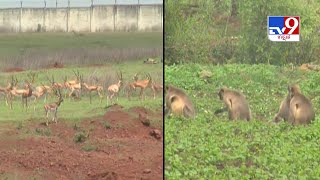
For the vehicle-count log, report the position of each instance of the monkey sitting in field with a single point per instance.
(296, 108)
(283, 112)
(178, 103)
(235, 103)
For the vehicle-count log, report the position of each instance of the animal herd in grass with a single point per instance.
(295, 108)
(73, 89)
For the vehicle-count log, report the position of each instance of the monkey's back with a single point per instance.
(241, 106)
(304, 109)
(181, 104)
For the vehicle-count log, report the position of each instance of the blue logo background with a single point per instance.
(276, 22)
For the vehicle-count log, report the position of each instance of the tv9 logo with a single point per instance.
(284, 28)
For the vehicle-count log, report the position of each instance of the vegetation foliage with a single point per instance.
(211, 146)
(41, 50)
(204, 31)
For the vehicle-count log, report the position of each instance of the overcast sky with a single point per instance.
(73, 3)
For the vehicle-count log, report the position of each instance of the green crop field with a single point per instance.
(212, 147)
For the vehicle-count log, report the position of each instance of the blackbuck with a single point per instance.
(76, 87)
(94, 88)
(156, 88)
(6, 90)
(40, 91)
(142, 84)
(113, 90)
(53, 107)
(24, 93)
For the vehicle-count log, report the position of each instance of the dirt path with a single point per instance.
(115, 146)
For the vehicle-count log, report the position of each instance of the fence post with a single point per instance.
(114, 15)
(138, 13)
(20, 18)
(91, 12)
(68, 14)
(44, 16)
(56, 4)
(162, 17)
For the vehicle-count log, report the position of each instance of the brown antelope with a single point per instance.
(98, 89)
(143, 84)
(55, 84)
(156, 88)
(76, 87)
(72, 83)
(115, 88)
(24, 93)
(40, 91)
(131, 85)
(31, 75)
(6, 90)
(53, 107)
(9, 88)
(76, 81)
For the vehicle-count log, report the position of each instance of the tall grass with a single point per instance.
(38, 50)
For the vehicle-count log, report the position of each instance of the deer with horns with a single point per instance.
(92, 88)
(142, 84)
(53, 107)
(24, 93)
(113, 90)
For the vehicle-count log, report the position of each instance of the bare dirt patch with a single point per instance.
(14, 69)
(58, 65)
(117, 146)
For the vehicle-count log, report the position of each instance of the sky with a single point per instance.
(73, 3)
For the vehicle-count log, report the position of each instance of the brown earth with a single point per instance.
(15, 69)
(117, 146)
(58, 65)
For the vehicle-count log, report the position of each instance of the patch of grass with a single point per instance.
(34, 50)
(43, 131)
(19, 126)
(106, 125)
(80, 137)
(89, 147)
(212, 147)
(76, 127)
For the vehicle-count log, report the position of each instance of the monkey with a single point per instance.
(284, 109)
(235, 103)
(178, 103)
(301, 110)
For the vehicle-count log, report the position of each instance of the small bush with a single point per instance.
(43, 132)
(19, 126)
(89, 147)
(80, 137)
(106, 125)
(76, 127)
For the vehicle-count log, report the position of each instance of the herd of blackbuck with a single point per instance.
(72, 89)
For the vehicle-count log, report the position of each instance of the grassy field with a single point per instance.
(212, 147)
(99, 55)
(38, 50)
(77, 110)
(94, 140)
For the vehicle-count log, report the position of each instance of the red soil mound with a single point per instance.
(118, 146)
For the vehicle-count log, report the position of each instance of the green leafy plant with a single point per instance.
(212, 147)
